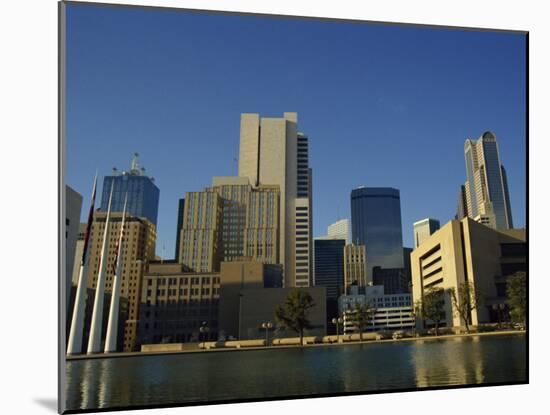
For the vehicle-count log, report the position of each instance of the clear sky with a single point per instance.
(383, 105)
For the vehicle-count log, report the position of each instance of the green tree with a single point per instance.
(432, 306)
(465, 299)
(292, 313)
(516, 296)
(362, 314)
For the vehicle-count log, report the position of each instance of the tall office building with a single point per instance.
(376, 223)
(228, 221)
(138, 249)
(423, 229)
(484, 197)
(73, 205)
(143, 194)
(329, 272)
(273, 152)
(338, 230)
(355, 267)
(179, 226)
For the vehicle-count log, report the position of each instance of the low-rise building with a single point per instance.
(390, 311)
(469, 251)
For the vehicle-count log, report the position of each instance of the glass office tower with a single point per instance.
(376, 223)
(143, 194)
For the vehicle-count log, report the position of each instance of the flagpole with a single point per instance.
(112, 326)
(94, 341)
(74, 345)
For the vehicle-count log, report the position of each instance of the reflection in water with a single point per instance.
(151, 380)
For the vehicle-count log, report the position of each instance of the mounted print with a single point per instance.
(259, 207)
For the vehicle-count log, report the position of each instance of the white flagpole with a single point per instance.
(74, 345)
(94, 341)
(112, 326)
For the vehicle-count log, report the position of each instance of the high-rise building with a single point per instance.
(466, 251)
(228, 221)
(273, 152)
(181, 207)
(376, 223)
(423, 229)
(329, 272)
(138, 249)
(143, 194)
(73, 205)
(485, 197)
(355, 267)
(338, 230)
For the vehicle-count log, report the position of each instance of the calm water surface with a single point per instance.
(157, 380)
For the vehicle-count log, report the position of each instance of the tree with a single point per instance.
(432, 306)
(516, 296)
(362, 314)
(465, 300)
(292, 313)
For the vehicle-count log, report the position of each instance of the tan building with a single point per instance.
(239, 275)
(273, 152)
(176, 303)
(355, 266)
(138, 249)
(468, 251)
(228, 221)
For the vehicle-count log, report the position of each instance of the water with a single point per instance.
(196, 377)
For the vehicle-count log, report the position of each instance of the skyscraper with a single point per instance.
(376, 223)
(228, 221)
(423, 229)
(329, 266)
(181, 207)
(273, 152)
(355, 267)
(143, 194)
(485, 197)
(338, 230)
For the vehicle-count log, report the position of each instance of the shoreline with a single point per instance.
(119, 355)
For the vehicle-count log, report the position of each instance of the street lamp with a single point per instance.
(204, 329)
(268, 325)
(337, 321)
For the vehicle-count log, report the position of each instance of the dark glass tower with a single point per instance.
(329, 273)
(376, 223)
(143, 194)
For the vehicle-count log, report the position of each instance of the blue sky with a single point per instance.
(383, 105)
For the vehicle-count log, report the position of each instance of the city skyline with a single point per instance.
(360, 137)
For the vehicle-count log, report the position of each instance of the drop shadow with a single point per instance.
(48, 403)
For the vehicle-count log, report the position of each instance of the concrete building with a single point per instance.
(235, 277)
(143, 194)
(376, 223)
(258, 306)
(273, 152)
(338, 230)
(392, 311)
(73, 206)
(329, 273)
(175, 303)
(468, 251)
(227, 221)
(423, 229)
(138, 249)
(355, 266)
(485, 197)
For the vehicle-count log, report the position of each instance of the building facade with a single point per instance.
(423, 229)
(390, 311)
(355, 267)
(467, 251)
(228, 221)
(143, 194)
(376, 223)
(138, 249)
(176, 303)
(329, 272)
(485, 197)
(273, 152)
(179, 227)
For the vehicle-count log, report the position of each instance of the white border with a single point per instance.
(28, 104)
